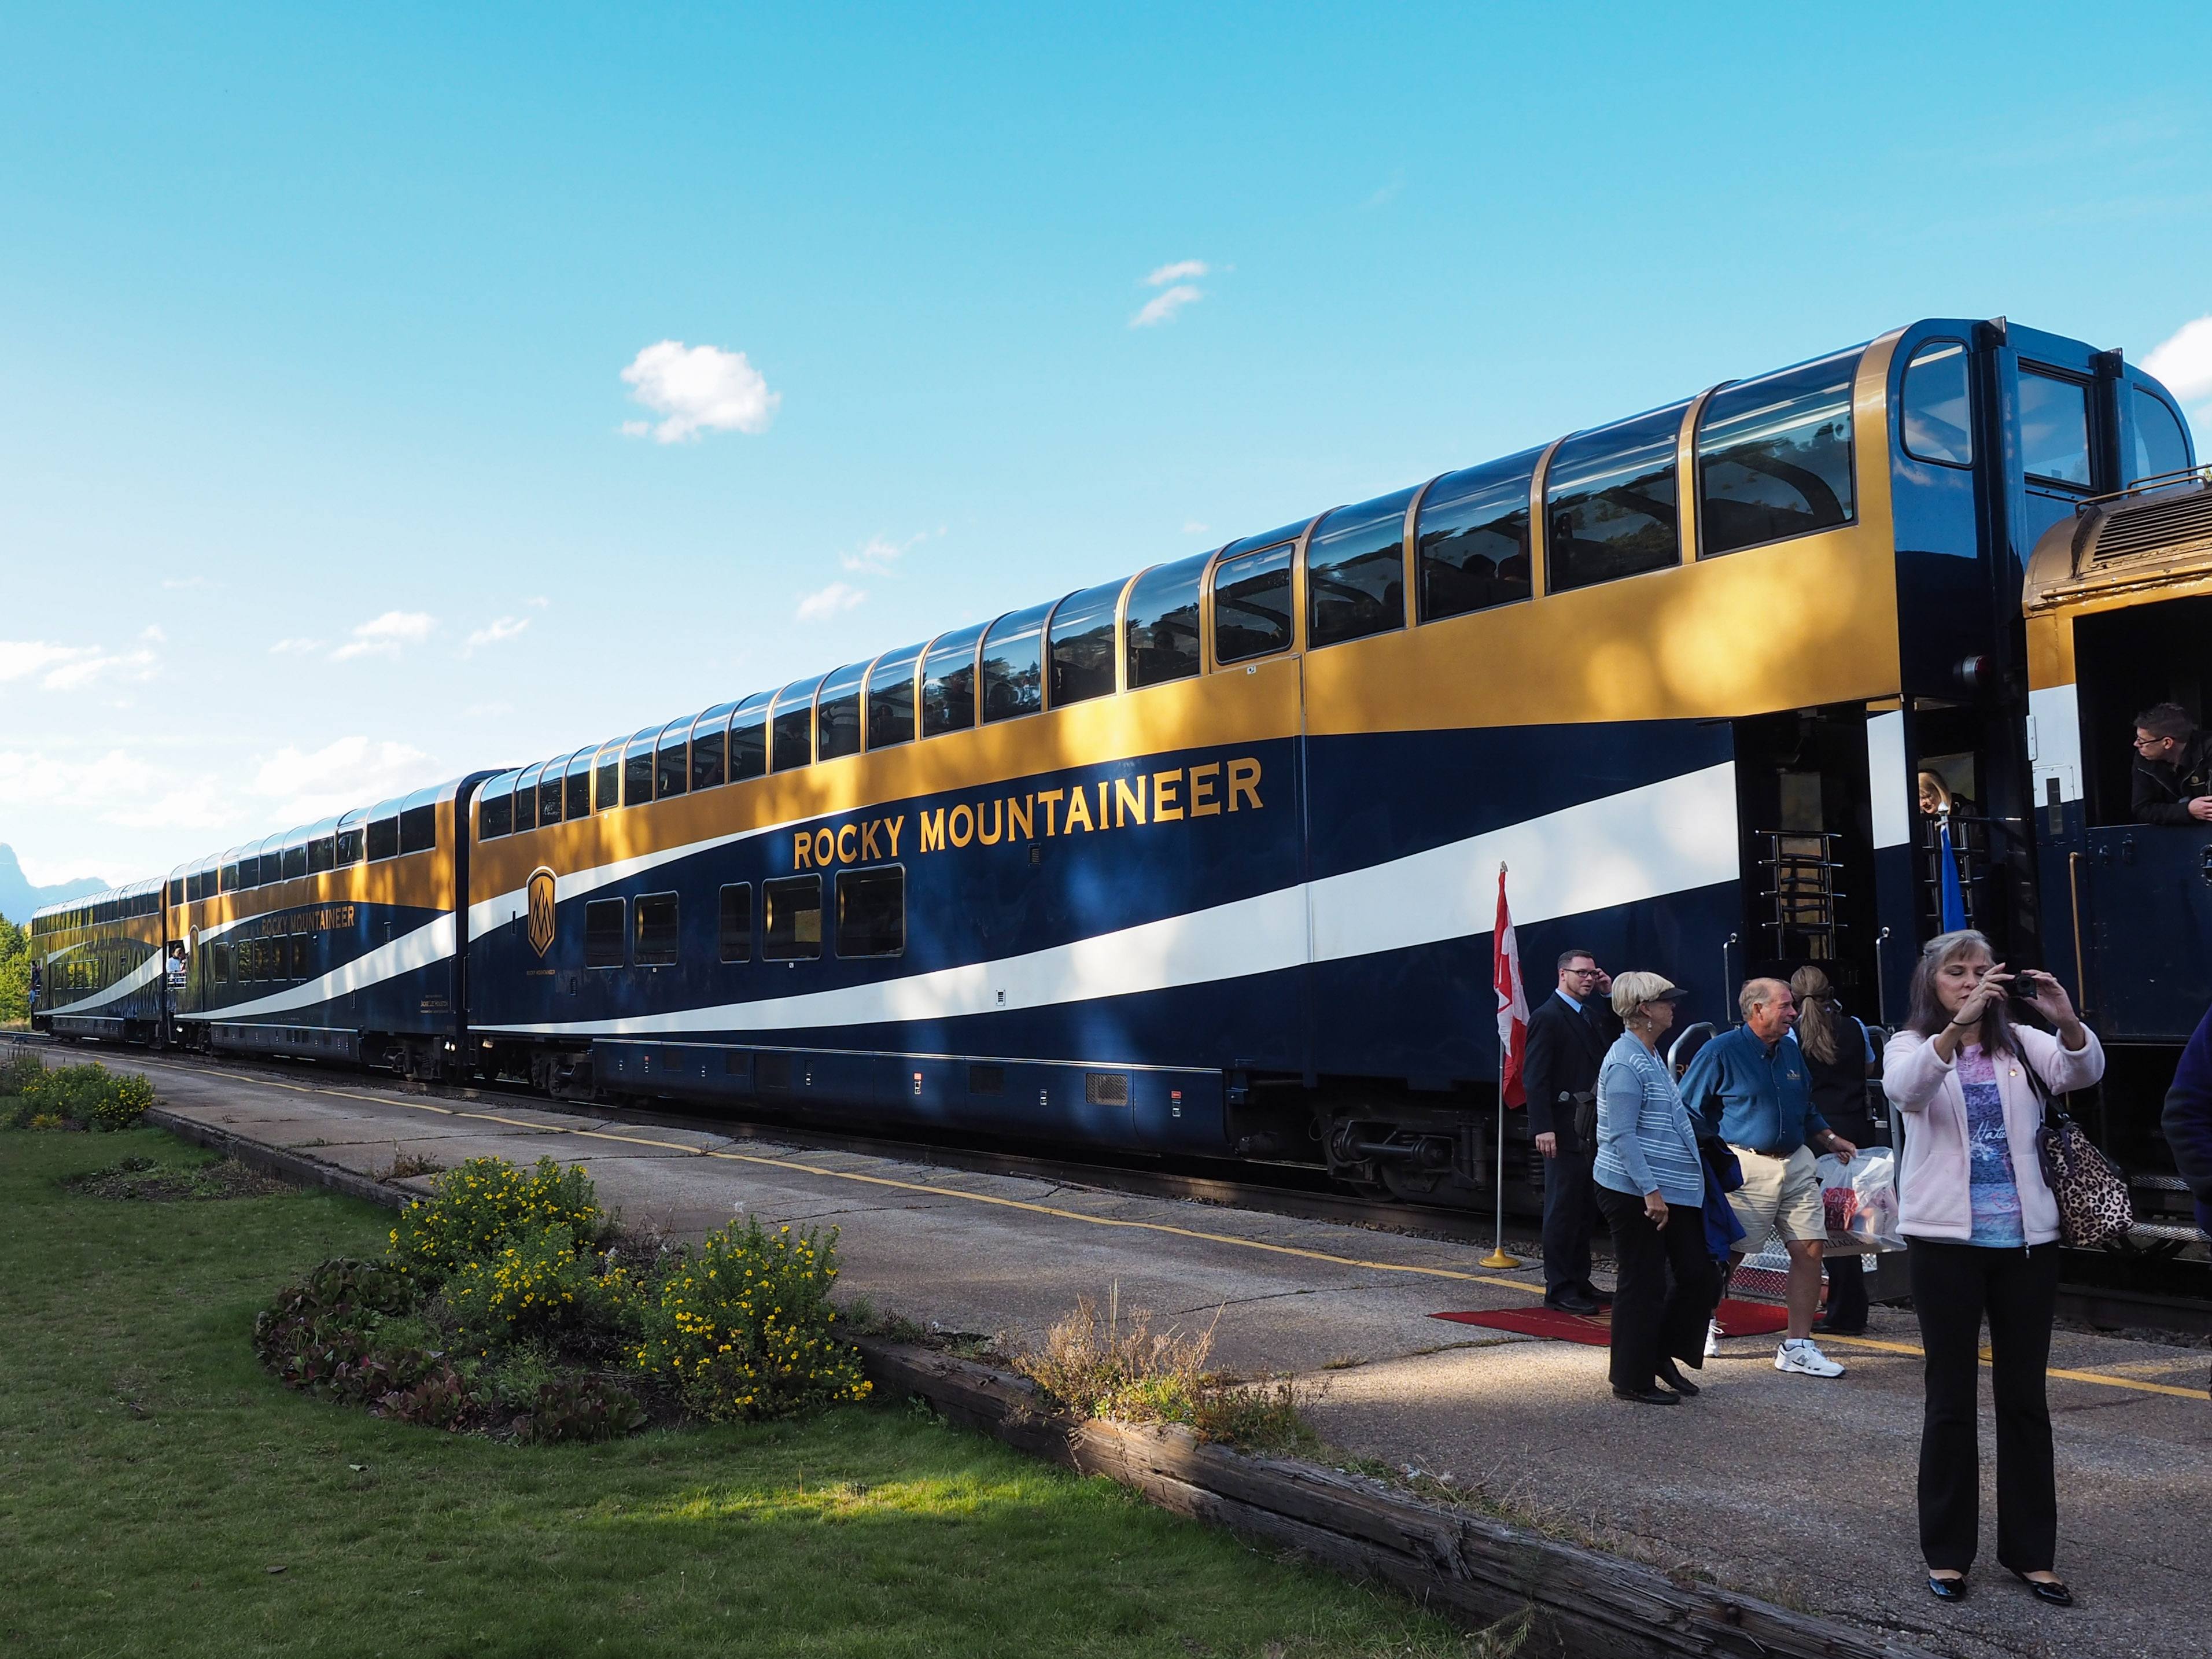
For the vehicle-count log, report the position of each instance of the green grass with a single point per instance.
(152, 1478)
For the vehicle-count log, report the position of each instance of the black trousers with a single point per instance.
(1667, 1289)
(1847, 1296)
(1569, 1215)
(1953, 1286)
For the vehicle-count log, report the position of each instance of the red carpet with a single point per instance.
(1737, 1319)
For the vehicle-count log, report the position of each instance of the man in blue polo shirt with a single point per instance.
(1751, 1088)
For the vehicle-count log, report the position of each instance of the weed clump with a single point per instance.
(87, 1097)
(1095, 1367)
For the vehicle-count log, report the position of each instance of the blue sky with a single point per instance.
(315, 322)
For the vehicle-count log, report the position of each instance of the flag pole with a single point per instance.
(1498, 1257)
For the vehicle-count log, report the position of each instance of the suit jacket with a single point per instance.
(1564, 1051)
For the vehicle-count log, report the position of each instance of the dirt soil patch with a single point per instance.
(144, 1178)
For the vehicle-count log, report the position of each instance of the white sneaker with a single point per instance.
(1798, 1354)
(1712, 1339)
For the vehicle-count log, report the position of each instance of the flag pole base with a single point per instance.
(1500, 1258)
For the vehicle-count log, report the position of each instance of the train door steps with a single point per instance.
(1465, 1565)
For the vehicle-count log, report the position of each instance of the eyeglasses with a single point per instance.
(2149, 743)
(1584, 972)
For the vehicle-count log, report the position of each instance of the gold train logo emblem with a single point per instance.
(541, 910)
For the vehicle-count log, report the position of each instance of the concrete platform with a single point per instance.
(1786, 1488)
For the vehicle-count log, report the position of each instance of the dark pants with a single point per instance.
(1847, 1296)
(1568, 1216)
(1653, 1320)
(1953, 1286)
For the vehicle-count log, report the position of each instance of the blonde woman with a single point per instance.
(1651, 1191)
(1981, 1227)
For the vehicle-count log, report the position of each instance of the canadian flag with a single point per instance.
(1512, 1004)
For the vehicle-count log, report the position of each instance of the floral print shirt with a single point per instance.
(1989, 1151)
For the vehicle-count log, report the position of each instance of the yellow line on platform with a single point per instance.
(1902, 1348)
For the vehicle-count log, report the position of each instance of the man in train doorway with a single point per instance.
(1752, 1088)
(2174, 768)
(1568, 1036)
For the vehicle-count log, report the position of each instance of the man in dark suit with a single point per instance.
(1568, 1034)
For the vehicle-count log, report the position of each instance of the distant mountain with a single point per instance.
(18, 898)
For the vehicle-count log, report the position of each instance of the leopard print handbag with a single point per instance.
(2094, 1209)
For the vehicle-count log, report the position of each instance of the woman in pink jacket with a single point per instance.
(1982, 1230)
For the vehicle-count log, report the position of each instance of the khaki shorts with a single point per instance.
(1780, 1195)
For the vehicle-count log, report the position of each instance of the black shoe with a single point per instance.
(2046, 1589)
(1948, 1589)
(1572, 1303)
(1822, 1328)
(1671, 1377)
(1647, 1396)
(1604, 1298)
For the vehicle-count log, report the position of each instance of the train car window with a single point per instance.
(607, 789)
(837, 712)
(791, 918)
(748, 739)
(2054, 429)
(1937, 414)
(1080, 643)
(1252, 605)
(384, 838)
(1609, 502)
(657, 930)
(295, 861)
(891, 698)
(218, 956)
(948, 683)
(1472, 537)
(1014, 665)
(637, 768)
(195, 888)
(672, 765)
(353, 839)
(602, 934)
(230, 878)
(791, 726)
(577, 787)
(734, 931)
(2161, 447)
(1356, 571)
(418, 828)
(495, 808)
(525, 805)
(1161, 638)
(549, 791)
(177, 890)
(1774, 456)
(322, 854)
(710, 745)
(299, 956)
(871, 912)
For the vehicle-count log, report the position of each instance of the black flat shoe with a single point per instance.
(1948, 1589)
(1647, 1396)
(1671, 1377)
(2046, 1589)
(1572, 1304)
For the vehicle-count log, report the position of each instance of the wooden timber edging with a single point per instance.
(1469, 1567)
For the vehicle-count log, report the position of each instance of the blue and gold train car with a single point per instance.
(1206, 858)
(99, 965)
(335, 940)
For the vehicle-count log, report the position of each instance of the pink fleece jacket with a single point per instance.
(1934, 1180)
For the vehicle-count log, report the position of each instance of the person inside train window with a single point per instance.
(2174, 768)
(1934, 795)
(176, 969)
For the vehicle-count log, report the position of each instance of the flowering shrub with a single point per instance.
(477, 1211)
(742, 1328)
(535, 1285)
(89, 1095)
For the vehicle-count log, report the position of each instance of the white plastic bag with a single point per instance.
(1861, 1199)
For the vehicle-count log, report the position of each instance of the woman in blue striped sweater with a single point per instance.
(1651, 1189)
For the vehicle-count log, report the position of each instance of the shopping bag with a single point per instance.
(1861, 1200)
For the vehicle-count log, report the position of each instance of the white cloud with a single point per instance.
(1192, 527)
(1180, 270)
(117, 787)
(70, 668)
(698, 389)
(537, 602)
(501, 628)
(484, 711)
(349, 772)
(385, 634)
(175, 584)
(1386, 193)
(879, 553)
(825, 603)
(2185, 361)
(1162, 308)
(20, 659)
(294, 648)
(153, 631)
